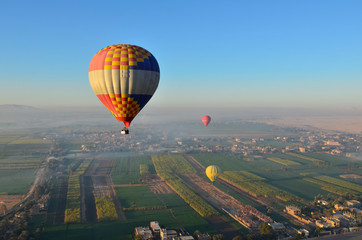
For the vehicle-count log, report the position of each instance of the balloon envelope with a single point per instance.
(206, 120)
(124, 78)
(212, 172)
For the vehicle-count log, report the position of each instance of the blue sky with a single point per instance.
(211, 53)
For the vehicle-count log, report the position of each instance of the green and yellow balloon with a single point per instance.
(212, 172)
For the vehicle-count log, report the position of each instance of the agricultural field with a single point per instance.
(16, 181)
(144, 169)
(331, 187)
(337, 186)
(20, 163)
(286, 178)
(282, 176)
(72, 211)
(124, 229)
(256, 186)
(334, 160)
(27, 149)
(352, 177)
(127, 169)
(284, 161)
(137, 197)
(172, 211)
(168, 167)
(185, 215)
(341, 183)
(106, 210)
(103, 230)
(236, 162)
(21, 153)
(317, 162)
(299, 187)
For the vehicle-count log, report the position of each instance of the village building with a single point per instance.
(293, 210)
(277, 226)
(338, 207)
(145, 232)
(155, 227)
(303, 232)
(353, 203)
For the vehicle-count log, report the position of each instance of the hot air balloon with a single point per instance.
(124, 77)
(212, 172)
(206, 120)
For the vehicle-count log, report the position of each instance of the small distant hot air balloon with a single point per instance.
(206, 120)
(124, 77)
(212, 172)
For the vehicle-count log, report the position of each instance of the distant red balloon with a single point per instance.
(206, 120)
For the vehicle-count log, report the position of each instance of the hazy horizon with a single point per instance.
(253, 54)
(343, 119)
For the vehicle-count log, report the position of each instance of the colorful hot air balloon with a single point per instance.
(206, 120)
(124, 77)
(212, 172)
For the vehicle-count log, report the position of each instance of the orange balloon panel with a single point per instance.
(124, 78)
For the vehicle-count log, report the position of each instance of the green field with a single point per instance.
(178, 214)
(184, 214)
(297, 186)
(106, 210)
(337, 186)
(19, 163)
(283, 161)
(72, 211)
(138, 196)
(98, 231)
(168, 167)
(127, 169)
(110, 230)
(16, 181)
(341, 183)
(21, 153)
(23, 149)
(256, 186)
(287, 178)
(234, 162)
(296, 177)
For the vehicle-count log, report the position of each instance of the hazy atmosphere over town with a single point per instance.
(181, 120)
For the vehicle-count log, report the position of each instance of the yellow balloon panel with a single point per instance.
(212, 172)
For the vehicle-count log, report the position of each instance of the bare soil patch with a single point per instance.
(10, 200)
(100, 167)
(61, 201)
(156, 184)
(223, 200)
(88, 206)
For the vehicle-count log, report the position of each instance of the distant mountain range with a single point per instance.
(16, 108)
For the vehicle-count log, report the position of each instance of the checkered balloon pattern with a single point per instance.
(124, 78)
